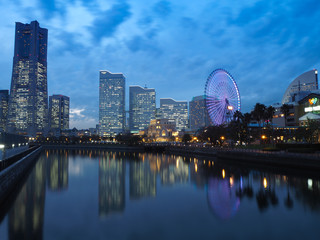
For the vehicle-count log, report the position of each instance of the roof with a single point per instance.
(307, 81)
(310, 116)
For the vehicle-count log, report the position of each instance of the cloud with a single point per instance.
(82, 118)
(74, 113)
(162, 8)
(171, 46)
(108, 21)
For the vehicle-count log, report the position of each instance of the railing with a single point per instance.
(11, 160)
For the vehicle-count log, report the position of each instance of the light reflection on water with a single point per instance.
(116, 195)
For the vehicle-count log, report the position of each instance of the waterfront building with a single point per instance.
(301, 86)
(198, 114)
(142, 107)
(162, 130)
(4, 99)
(111, 103)
(177, 110)
(28, 101)
(59, 106)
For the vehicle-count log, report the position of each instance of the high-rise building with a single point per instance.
(198, 114)
(111, 103)
(59, 106)
(28, 101)
(177, 110)
(4, 98)
(142, 107)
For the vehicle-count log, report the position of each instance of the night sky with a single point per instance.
(171, 46)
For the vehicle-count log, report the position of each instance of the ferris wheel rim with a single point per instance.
(221, 91)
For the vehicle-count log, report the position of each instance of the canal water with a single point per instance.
(92, 194)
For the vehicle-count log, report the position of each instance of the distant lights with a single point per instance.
(265, 183)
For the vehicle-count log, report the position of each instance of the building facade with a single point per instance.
(162, 130)
(198, 114)
(111, 103)
(142, 107)
(177, 110)
(28, 101)
(301, 86)
(4, 99)
(59, 110)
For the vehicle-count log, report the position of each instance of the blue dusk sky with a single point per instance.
(171, 46)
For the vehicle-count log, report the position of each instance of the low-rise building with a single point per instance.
(162, 130)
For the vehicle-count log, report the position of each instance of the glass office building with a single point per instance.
(177, 110)
(198, 114)
(59, 106)
(142, 107)
(111, 103)
(28, 102)
(4, 99)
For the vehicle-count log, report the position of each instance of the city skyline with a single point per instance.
(171, 47)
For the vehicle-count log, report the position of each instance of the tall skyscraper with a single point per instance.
(177, 110)
(59, 106)
(4, 98)
(142, 107)
(111, 103)
(198, 115)
(28, 102)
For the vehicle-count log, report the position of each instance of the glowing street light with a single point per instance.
(230, 107)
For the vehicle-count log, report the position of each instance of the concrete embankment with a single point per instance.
(277, 159)
(108, 147)
(256, 157)
(10, 176)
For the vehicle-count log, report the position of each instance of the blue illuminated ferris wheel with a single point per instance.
(222, 97)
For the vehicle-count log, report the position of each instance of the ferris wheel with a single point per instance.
(222, 97)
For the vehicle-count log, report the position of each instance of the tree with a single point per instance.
(186, 138)
(313, 126)
(285, 108)
(258, 112)
(269, 112)
(213, 134)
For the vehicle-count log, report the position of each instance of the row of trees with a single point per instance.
(239, 130)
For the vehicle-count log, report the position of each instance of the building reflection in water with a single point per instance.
(57, 167)
(27, 214)
(111, 184)
(173, 170)
(142, 180)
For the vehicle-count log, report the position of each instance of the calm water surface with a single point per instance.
(111, 195)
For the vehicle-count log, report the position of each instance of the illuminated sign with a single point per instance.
(313, 101)
(312, 109)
